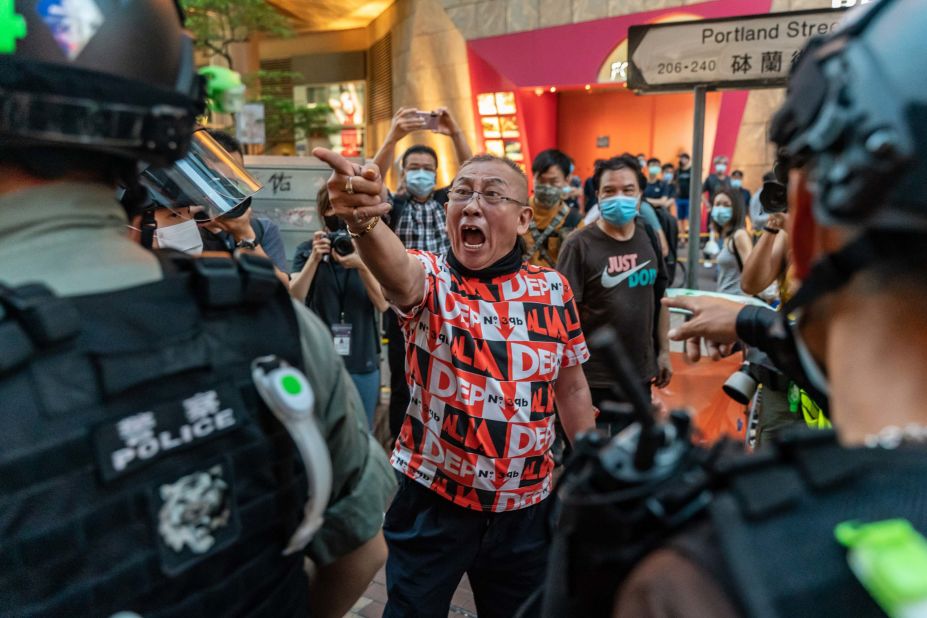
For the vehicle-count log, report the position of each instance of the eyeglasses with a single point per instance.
(463, 195)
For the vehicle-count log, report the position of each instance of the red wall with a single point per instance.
(659, 126)
(540, 123)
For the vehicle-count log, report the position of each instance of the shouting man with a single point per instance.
(492, 343)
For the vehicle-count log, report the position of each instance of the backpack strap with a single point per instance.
(540, 238)
(258, 226)
(659, 289)
(733, 249)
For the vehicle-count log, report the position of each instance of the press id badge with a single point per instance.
(341, 333)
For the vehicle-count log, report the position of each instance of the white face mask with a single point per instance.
(182, 237)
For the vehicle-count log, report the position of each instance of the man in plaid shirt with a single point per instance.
(418, 220)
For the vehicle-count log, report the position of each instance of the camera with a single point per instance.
(774, 196)
(341, 242)
(756, 369)
(430, 118)
(741, 385)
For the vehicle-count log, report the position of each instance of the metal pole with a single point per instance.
(695, 188)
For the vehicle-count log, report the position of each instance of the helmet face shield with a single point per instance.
(207, 176)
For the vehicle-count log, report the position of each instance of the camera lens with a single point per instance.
(341, 242)
(774, 197)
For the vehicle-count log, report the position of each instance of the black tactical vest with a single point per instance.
(760, 525)
(775, 522)
(139, 469)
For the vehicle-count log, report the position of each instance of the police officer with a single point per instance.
(141, 469)
(781, 529)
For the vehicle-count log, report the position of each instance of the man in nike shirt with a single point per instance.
(615, 269)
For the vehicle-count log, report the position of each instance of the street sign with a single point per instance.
(754, 51)
(249, 124)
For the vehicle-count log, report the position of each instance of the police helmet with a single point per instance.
(110, 76)
(855, 118)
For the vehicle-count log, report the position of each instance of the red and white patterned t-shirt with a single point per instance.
(481, 361)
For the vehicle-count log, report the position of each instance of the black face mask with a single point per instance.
(506, 265)
(334, 223)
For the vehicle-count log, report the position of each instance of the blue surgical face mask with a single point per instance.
(736, 183)
(618, 209)
(667, 176)
(720, 167)
(420, 182)
(654, 170)
(722, 214)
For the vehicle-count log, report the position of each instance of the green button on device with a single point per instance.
(291, 385)
(12, 27)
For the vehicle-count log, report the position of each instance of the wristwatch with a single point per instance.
(771, 230)
(247, 243)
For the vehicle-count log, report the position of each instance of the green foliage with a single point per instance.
(286, 121)
(217, 24)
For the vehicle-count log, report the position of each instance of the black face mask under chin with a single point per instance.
(333, 223)
(506, 265)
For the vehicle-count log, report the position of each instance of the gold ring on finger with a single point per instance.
(348, 186)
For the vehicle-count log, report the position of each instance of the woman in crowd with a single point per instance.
(727, 222)
(333, 281)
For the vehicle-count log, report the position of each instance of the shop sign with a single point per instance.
(615, 67)
(738, 52)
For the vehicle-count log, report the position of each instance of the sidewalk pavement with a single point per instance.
(371, 605)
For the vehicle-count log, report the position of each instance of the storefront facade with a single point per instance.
(566, 88)
(560, 63)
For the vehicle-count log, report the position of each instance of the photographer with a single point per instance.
(768, 262)
(334, 282)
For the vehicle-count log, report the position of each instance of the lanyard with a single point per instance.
(341, 287)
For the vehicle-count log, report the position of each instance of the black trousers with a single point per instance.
(398, 387)
(433, 542)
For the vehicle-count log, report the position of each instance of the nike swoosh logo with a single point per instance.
(610, 281)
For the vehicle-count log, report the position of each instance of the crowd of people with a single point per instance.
(187, 418)
(617, 243)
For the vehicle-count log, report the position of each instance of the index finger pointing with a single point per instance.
(334, 161)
